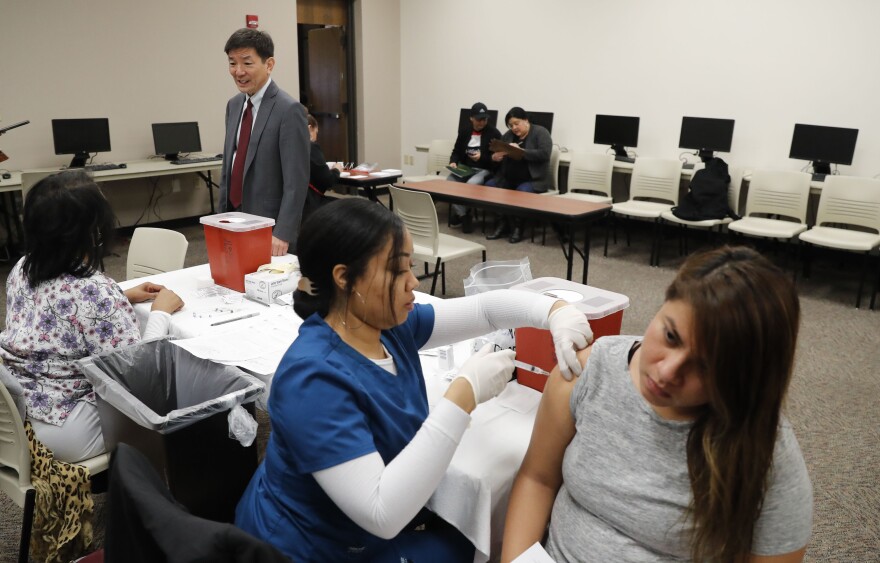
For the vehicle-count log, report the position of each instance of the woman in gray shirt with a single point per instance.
(673, 447)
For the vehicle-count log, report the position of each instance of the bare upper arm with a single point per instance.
(553, 431)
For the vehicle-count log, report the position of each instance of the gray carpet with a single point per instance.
(834, 402)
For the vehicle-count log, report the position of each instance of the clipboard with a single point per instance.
(513, 151)
(13, 126)
(462, 171)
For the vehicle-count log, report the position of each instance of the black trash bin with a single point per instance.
(173, 407)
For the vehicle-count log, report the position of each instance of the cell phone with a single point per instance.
(13, 126)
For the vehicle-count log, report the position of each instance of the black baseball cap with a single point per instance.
(480, 111)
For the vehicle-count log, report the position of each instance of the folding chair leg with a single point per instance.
(658, 240)
(808, 263)
(436, 272)
(443, 279)
(876, 285)
(865, 260)
(27, 521)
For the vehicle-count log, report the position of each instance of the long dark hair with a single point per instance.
(68, 227)
(746, 317)
(350, 232)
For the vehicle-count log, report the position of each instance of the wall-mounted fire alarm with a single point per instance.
(252, 22)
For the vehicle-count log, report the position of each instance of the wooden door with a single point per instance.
(327, 88)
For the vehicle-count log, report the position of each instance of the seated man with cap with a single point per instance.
(472, 150)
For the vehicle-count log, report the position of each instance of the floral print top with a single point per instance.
(55, 323)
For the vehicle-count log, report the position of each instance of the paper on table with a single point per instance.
(534, 554)
(519, 398)
(255, 344)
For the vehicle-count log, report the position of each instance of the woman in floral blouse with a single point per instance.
(61, 307)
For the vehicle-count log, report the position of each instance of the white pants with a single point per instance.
(77, 439)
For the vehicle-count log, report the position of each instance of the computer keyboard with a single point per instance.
(819, 177)
(196, 160)
(624, 159)
(101, 167)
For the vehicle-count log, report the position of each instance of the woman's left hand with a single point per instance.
(144, 292)
(571, 332)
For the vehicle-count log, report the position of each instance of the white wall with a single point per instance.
(767, 64)
(136, 63)
(377, 38)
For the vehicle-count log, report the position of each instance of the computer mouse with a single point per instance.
(123, 165)
(7, 175)
(219, 155)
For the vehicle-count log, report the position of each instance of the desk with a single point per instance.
(474, 492)
(147, 168)
(371, 182)
(150, 168)
(534, 206)
(565, 161)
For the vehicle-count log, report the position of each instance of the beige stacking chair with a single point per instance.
(417, 211)
(154, 251)
(847, 202)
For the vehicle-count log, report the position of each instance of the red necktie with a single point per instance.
(244, 137)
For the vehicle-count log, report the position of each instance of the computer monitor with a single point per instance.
(706, 135)
(619, 131)
(542, 118)
(81, 137)
(465, 114)
(823, 145)
(171, 139)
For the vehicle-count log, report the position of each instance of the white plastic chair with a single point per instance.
(417, 211)
(653, 189)
(15, 464)
(848, 201)
(154, 251)
(589, 177)
(733, 191)
(555, 154)
(775, 193)
(438, 158)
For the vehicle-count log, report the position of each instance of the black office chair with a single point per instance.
(146, 525)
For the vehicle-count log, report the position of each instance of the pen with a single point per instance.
(530, 367)
(223, 322)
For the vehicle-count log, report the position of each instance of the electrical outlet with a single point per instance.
(408, 159)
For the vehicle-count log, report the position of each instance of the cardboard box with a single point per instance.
(265, 287)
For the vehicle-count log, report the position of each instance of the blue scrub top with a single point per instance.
(329, 404)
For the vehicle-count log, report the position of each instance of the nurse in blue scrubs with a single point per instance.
(354, 453)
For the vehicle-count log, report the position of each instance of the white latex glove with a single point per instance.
(488, 372)
(571, 332)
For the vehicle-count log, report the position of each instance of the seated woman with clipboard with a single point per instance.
(524, 153)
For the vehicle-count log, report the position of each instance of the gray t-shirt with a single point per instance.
(626, 490)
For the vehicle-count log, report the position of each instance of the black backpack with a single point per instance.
(707, 197)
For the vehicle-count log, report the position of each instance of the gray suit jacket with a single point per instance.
(276, 172)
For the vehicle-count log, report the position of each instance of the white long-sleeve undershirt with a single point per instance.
(381, 498)
(158, 324)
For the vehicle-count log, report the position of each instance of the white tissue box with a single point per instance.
(265, 287)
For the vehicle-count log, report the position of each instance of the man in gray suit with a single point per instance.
(271, 176)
